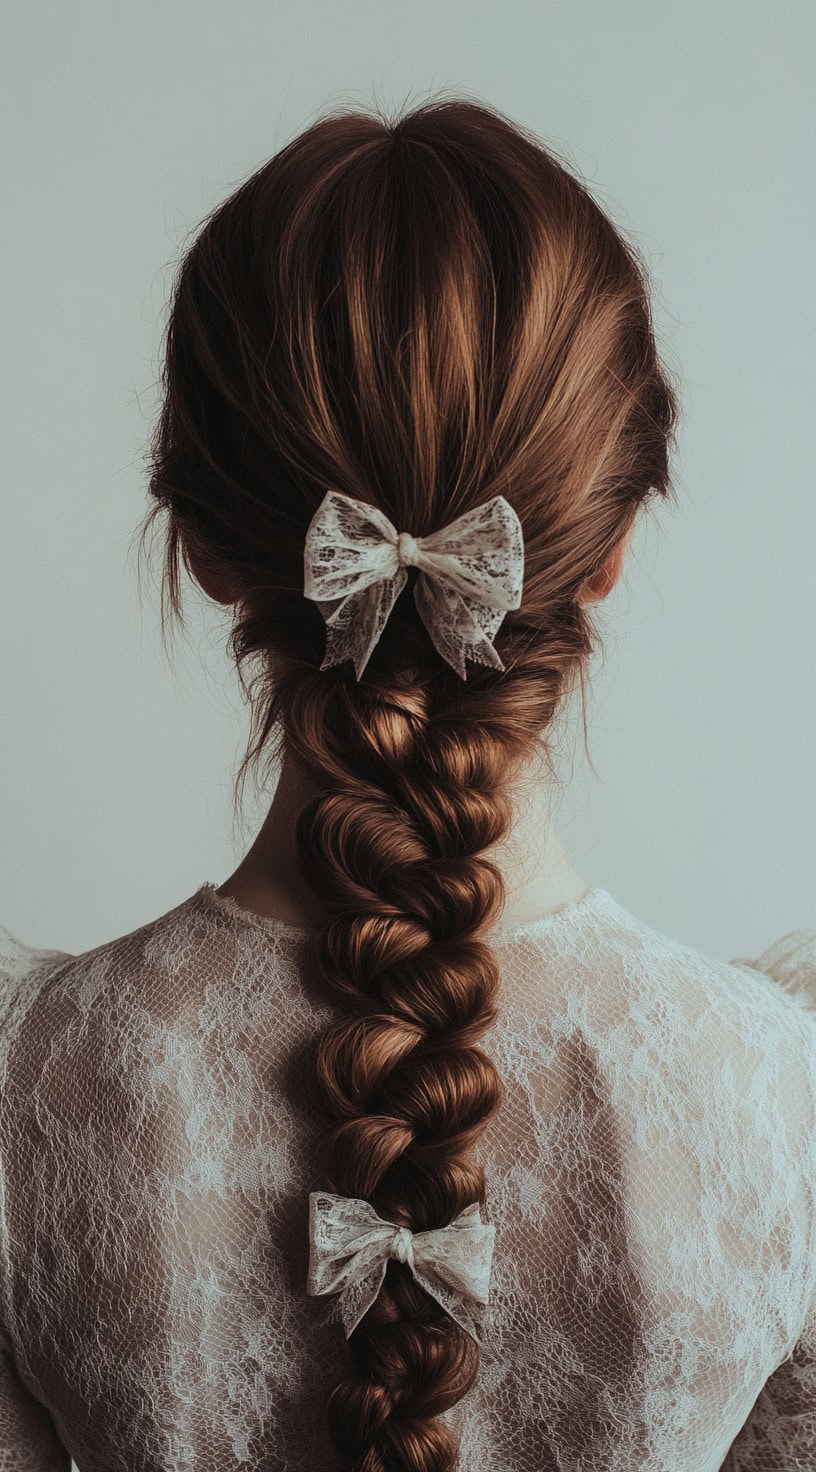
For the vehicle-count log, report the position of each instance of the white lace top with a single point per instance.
(651, 1177)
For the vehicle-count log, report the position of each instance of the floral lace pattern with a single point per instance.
(350, 1246)
(470, 574)
(651, 1176)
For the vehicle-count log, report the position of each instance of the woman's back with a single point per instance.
(412, 407)
(652, 1181)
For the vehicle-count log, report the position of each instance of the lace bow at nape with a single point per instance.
(470, 575)
(350, 1245)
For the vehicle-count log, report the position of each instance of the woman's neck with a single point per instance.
(538, 873)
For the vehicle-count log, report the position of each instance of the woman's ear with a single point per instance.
(603, 581)
(214, 582)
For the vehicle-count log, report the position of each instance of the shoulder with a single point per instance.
(736, 1037)
(779, 984)
(154, 975)
(79, 1032)
(741, 1034)
(51, 986)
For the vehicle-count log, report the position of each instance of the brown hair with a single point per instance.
(421, 312)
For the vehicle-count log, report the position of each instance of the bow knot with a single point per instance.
(470, 575)
(407, 548)
(402, 1245)
(350, 1246)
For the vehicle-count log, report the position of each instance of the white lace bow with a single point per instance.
(471, 573)
(349, 1248)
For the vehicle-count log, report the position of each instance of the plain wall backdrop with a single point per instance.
(693, 125)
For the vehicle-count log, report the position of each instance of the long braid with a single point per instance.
(421, 313)
(393, 845)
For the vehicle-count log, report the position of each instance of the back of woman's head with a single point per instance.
(421, 313)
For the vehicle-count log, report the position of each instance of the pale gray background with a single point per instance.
(693, 124)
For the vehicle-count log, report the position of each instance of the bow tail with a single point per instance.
(467, 1313)
(358, 1296)
(460, 628)
(356, 622)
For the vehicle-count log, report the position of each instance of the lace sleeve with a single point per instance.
(780, 1432)
(791, 962)
(19, 960)
(28, 1438)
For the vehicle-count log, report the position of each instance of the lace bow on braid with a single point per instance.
(471, 573)
(349, 1248)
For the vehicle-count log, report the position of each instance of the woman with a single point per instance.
(404, 1148)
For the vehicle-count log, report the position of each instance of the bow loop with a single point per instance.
(350, 1246)
(470, 576)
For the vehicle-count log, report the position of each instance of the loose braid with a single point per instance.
(393, 845)
(421, 313)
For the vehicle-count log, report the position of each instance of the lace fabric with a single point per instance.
(651, 1179)
(470, 575)
(350, 1246)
